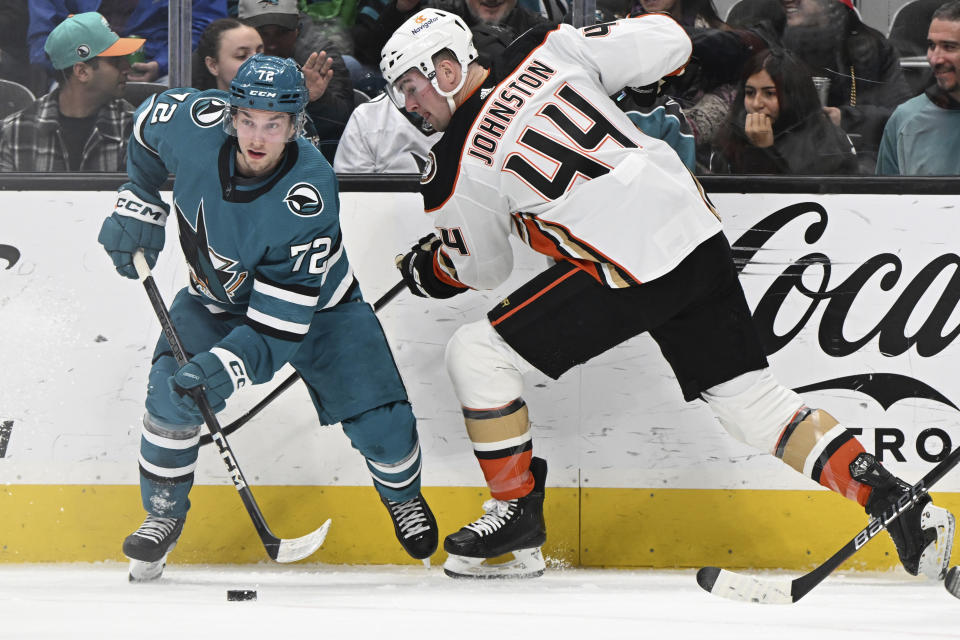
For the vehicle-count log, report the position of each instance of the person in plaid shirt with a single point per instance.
(84, 124)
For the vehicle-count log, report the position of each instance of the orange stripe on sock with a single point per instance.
(509, 477)
(836, 473)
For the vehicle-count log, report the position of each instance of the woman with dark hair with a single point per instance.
(224, 45)
(777, 124)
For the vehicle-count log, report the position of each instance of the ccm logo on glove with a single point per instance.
(128, 204)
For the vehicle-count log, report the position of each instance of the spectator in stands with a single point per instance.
(334, 18)
(706, 90)
(778, 125)
(691, 14)
(224, 45)
(84, 124)
(767, 17)
(14, 55)
(288, 33)
(923, 134)
(908, 35)
(146, 20)
(380, 138)
(863, 69)
(659, 116)
(502, 20)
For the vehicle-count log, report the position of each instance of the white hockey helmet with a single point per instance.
(414, 44)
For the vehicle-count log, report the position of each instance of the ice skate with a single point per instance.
(415, 526)
(508, 527)
(923, 534)
(148, 546)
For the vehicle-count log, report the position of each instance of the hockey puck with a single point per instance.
(952, 581)
(235, 595)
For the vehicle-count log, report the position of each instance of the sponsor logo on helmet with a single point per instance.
(206, 112)
(424, 25)
(430, 170)
(263, 94)
(83, 51)
(303, 199)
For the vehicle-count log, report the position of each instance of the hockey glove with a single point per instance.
(134, 224)
(209, 369)
(417, 270)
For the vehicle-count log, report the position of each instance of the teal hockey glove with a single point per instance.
(220, 374)
(134, 224)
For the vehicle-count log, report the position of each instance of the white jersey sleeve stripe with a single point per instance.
(273, 322)
(141, 123)
(285, 294)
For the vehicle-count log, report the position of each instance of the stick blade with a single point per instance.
(295, 549)
(952, 581)
(735, 586)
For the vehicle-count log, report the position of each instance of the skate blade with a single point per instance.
(142, 571)
(936, 557)
(526, 563)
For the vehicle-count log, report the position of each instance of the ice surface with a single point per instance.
(75, 601)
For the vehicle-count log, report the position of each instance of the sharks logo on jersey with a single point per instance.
(304, 199)
(207, 112)
(212, 273)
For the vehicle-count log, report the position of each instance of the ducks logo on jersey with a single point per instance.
(430, 170)
(303, 199)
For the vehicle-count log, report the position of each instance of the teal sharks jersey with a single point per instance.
(269, 248)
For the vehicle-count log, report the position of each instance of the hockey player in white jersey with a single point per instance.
(535, 148)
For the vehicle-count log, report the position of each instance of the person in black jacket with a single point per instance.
(494, 23)
(777, 125)
(865, 80)
(289, 33)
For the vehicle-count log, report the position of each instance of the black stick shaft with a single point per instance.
(270, 541)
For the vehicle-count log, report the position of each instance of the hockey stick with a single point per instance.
(281, 550)
(735, 586)
(286, 384)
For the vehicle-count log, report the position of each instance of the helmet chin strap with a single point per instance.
(449, 95)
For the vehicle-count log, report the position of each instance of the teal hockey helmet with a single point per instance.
(269, 83)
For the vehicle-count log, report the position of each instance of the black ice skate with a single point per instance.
(148, 546)
(415, 526)
(508, 526)
(923, 534)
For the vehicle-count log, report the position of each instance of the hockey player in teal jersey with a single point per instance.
(258, 213)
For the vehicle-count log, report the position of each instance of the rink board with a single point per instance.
(870, 337)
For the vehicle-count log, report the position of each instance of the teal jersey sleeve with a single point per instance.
(666, 121)
(161, 119)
